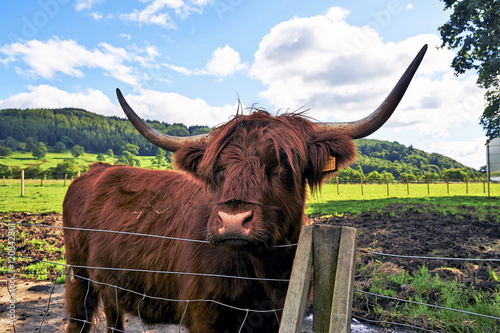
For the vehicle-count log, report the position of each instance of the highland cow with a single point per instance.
(239, 190)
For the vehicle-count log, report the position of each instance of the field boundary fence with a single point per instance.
(455, 186)
(325, 247)
(409, 183)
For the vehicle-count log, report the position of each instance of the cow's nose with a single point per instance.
(238, 223)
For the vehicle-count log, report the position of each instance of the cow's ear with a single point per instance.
(189, 156)
(321, 147)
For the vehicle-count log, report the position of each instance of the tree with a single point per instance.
(30, 143)
(59, 147)
(11, 143)
(134, 149)
(374, 177)
(101, 157)
(128, 159)
(110, 153)
(5, 171)
(5, 151)
(39, 151)
(77, 151)
(159, 159)
(474, 29)
(68, 167)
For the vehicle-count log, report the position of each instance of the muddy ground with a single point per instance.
(414, 230)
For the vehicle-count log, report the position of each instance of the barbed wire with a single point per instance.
(425, 258)
(125, 233)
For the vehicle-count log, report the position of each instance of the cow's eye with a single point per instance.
(272, 172)
(219, 178)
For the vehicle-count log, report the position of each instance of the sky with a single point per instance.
(191, 61)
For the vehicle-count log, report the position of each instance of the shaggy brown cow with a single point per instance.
(241, 192)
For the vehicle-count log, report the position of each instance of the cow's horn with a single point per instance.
(366, 126)
(167, 142)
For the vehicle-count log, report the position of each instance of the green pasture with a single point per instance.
(25, 159)
(354, 199)
(349, 200)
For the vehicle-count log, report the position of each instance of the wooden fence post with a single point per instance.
(428, 190)
(298, 288)
(484, 185)
(326, 247)
(407, 186)
(361, 179)
(4, 184)
(65, 178)
(387, 181)
(338, 189)
(333, 251)
(340, 318)
(22, 183)
(466, 186)
(78, 175)
(447, 186)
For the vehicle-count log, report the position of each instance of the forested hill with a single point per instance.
(395, 159)
(94, 132)
(98, 133)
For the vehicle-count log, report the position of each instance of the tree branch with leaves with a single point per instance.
(474, 31)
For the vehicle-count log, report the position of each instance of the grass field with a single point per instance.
(347, 199)
(25, 159)
(49, 197)
(350, 200)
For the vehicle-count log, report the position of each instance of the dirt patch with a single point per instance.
(415, 230)
(423, 231)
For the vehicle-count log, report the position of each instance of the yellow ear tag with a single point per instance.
(330, 164)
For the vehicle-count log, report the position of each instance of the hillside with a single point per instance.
(94, 132)
(97, 134)
(397, 159)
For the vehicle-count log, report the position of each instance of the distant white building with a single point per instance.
(493, 160)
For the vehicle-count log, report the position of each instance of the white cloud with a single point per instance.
(225, 61)
(409, 6)
(343, 72)
(159, 12)
(48, 59)
(471, 152)
(163, 106)
(45, 96)
(172, 107)
(125, 36)
(85, 4)
(96, 16)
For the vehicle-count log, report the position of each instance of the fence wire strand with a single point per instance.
(425, 304)
(425, 258)
(144, 296)
(392, 323)
(152, 271)
(126, 233)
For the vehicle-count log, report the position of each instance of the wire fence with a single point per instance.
(245, 311)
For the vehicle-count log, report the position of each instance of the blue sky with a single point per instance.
(190, 61)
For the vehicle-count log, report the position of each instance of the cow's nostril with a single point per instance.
(238, 223)
(248, 221)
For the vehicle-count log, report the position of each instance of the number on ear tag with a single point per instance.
(330, 164)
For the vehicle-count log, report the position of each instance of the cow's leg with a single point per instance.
(114, 317)
(81, 303)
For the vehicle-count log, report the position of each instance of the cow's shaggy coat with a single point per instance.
(255, 164)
